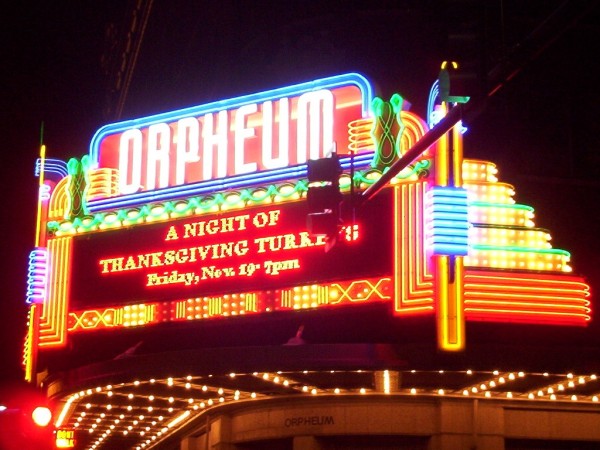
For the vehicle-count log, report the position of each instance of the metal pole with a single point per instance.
(414, 152)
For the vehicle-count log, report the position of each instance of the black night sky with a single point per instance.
(67, 64)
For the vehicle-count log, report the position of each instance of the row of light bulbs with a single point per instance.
(144, 430)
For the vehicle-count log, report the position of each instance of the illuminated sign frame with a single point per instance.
(504, 267)
(174, 139)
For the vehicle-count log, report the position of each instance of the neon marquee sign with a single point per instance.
(178, 216)
(271, 130)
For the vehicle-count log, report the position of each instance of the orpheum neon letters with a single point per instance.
(235, 137)
(202, 144)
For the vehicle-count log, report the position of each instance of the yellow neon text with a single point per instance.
(288, 242)
(170, 257)
(223, 225)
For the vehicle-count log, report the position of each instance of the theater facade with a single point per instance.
(226, 276)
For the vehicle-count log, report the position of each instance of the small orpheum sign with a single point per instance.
(65, 438)
(270, 130)
(259, 248)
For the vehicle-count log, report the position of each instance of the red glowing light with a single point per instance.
(41, 416)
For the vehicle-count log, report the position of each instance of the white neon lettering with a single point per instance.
(284, 132)
(130, 150)
(241, 134)
(268, 160)
(321, 115)
(159, 140)
(216, 138)
(267, 134)
(188, 132)
(315, 109)
(252, 137)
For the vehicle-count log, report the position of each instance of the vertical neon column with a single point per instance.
(37, 284)
(448, 264)
(31, 344)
